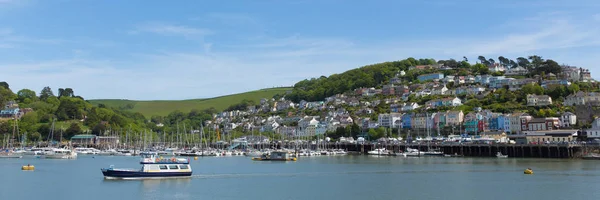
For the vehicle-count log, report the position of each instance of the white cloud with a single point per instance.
(596, 17)
(171, 30)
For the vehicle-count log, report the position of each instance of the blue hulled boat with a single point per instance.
(153, 166)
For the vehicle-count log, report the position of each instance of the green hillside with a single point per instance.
(163, 108)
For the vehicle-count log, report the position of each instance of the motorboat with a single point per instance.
(410, 152)
(10, 154)
(60, 153)
(433, 152)
(380, 151)
(500, 155)
(591, 156)
(153, 166)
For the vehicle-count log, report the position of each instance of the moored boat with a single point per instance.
(500, 155)
(591, 156)
(152, 167)
(60, 153)
(276, 156)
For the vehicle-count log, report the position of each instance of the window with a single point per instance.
(162, 167)
(173, 167)
(183, 167)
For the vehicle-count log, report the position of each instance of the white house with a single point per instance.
(440, 90)
(594, 132)
(410, 106)
(568, 119)
(389, 120)
(538, 100)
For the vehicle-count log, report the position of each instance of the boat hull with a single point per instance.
(124, 174)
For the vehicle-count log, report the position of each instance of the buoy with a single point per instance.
(196, 158)
(28, 167)
(528, 171)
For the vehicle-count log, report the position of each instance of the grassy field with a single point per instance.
(163, 108)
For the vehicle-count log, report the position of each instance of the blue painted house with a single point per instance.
(406, 121)
(429, 77)
(10, 112)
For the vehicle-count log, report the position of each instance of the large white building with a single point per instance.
(582, 98)
(594, 132)
(568, 119)
(390, 120)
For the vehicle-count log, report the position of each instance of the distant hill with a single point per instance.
(164, 107)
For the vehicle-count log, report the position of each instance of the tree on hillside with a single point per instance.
(504, 61)
(548, 66)
(536, 61)
(25, 95)
(4, 85)
(532, 89)
(523, 62)
(482, 59)
(513, 64)
(6, 95)
(46, 93)
(74, 129)
(67, 92)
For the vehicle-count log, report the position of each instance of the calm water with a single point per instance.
(338, 177)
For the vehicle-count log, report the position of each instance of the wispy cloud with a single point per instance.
(10, 39)
(171, 30)
(554, 31)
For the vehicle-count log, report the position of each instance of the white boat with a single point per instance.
(10, 154)
(380, 151)
(153, 167)
(412, 153)
(110, 152)
(499, 155)
(86, 151)
(433, 152)
(61, 154)
(254, 153)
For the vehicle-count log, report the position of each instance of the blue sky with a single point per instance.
(140, 49)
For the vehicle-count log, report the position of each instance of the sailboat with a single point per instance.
(8, 152)
(432, 152)
(59, 153)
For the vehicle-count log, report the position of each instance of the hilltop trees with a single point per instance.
(46, 93)
(367, 76)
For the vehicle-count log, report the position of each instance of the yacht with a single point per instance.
(433, 152)
(412, 153)
(9, 154)
(499, 155)
(380, 151)
(110, 152)
(61, 154)
(153, 167)
(86, 151)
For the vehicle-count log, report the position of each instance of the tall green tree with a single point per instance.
(46, 93)
(25, 95)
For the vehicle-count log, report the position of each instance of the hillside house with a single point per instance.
(594, 132)
(430, 77)
(567, 120)
(582, 98)
(517, 71)
(538, 100)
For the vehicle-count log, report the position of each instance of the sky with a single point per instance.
(186, 49)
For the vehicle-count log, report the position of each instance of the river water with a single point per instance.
(335, 177)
